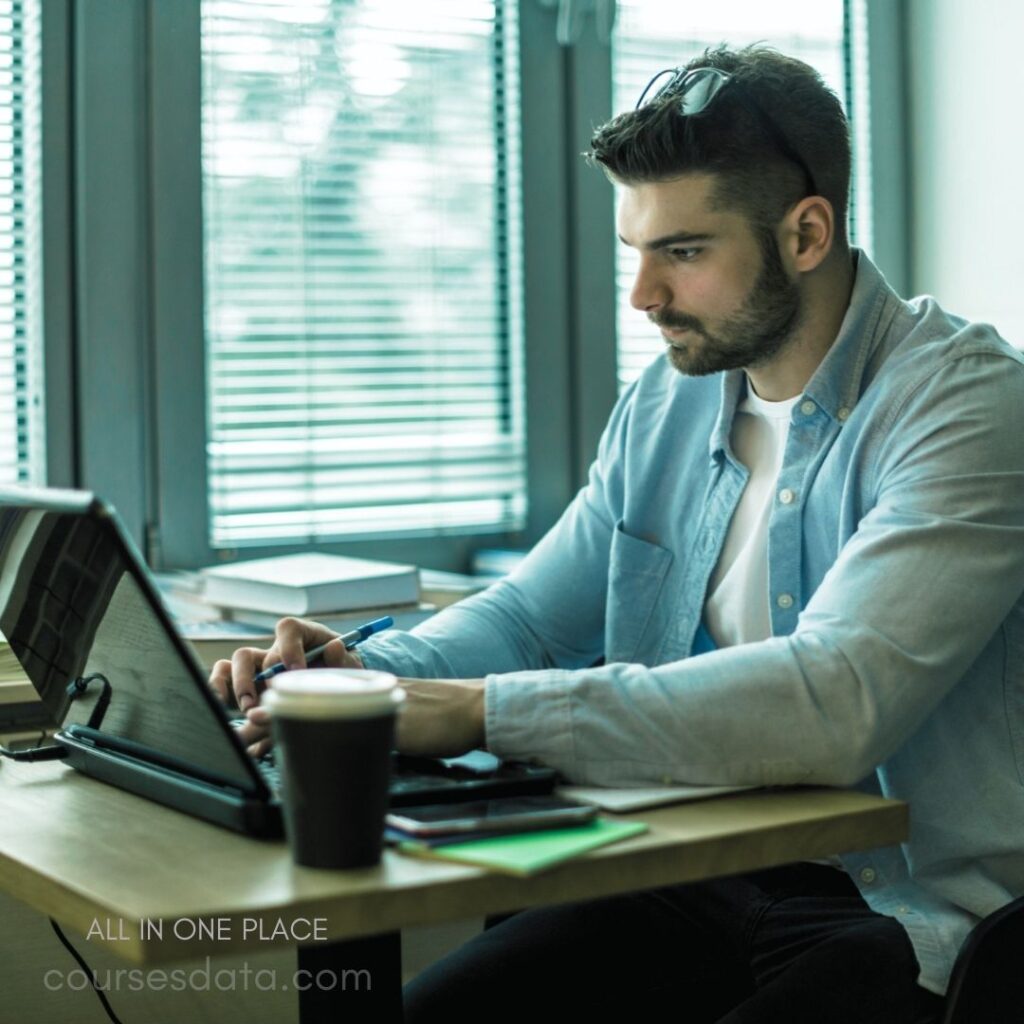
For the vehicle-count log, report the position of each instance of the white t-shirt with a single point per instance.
(737, 606)
(736, 610)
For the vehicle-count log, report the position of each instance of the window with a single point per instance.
(654, 34)
(363, 271)
(21, 433)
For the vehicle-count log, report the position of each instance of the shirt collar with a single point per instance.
(732, 388)
(836, 384)
(838, 381)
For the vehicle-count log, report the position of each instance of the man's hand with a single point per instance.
(440, 717)
(234, 680)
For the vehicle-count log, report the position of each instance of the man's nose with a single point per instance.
(650, 291)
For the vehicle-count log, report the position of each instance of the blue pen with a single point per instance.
(349, 639)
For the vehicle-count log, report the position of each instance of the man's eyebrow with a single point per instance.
(674, 239)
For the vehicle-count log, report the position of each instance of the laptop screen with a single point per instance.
(75, 601)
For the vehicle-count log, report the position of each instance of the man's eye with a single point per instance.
(683, 254)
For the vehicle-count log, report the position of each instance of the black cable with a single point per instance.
(54, 752)
(78, 686)
(50, 753)
(88, 971)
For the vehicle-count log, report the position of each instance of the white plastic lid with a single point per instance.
(333, 693)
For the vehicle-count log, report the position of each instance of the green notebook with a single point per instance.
(528, 852)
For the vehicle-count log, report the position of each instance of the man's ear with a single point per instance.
(807, 233)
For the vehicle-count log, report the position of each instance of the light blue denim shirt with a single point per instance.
(896, 574)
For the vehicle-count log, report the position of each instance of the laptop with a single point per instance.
(125, 696)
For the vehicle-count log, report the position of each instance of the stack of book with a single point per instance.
(342, 593)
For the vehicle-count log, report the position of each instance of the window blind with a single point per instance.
(651, 35)
(21, 440)
(363, 269)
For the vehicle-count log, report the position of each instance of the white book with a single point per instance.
(309, 583)
(406, 616)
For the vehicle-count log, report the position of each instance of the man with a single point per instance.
(799, 559)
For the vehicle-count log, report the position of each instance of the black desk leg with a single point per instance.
(351, 981)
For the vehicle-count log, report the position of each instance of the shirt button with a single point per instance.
(867, 875)
(784, 600)
(843, 414)
(786, 496)
(903, 909)
(808, 408)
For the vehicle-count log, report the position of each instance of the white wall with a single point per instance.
(966, 121)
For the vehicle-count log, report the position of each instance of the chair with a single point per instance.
(987, 984)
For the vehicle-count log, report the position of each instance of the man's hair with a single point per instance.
(728, 139)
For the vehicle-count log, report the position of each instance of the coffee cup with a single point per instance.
(333, 734)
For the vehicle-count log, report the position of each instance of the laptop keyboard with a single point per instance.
(442, 779)
(408, 775)
(271, 773)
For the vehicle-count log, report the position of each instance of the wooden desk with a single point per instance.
(87, 854)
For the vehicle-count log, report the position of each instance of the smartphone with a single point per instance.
(503, 814)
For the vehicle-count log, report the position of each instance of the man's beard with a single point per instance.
(751, 336)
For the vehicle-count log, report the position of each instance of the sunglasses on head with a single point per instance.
(694, 91)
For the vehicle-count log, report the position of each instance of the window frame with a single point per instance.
(885, 36)
(108, 251)
(59, 392)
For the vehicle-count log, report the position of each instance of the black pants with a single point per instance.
(789, 945)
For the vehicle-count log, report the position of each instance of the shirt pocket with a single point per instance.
(636, 575)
